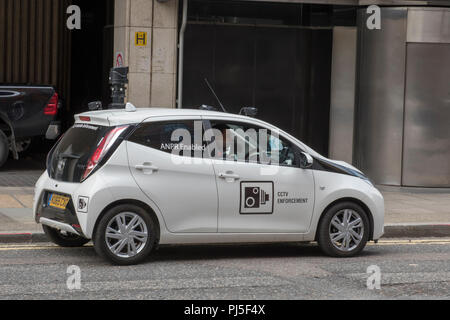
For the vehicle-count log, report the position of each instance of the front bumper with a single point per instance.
(378, 212)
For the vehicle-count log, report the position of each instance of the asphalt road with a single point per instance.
(418, 269)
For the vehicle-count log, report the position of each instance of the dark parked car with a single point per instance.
(26, 112)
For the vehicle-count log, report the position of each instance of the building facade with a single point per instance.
(378, 98)
(374, 96)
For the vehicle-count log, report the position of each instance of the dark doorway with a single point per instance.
(37, 48)
(283, 71)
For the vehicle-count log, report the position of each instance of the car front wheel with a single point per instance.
(125, 235)
(343, 230)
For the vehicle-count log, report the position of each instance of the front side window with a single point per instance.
(245, 142)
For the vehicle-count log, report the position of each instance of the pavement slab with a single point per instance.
(409, 213)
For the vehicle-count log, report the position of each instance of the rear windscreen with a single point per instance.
(68, 159)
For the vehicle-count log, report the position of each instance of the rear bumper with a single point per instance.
(94, 191)
(53, 130)
(65, 220)
(58, 225)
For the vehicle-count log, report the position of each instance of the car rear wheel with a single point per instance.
(343, 230)
(125, 235)
(64, 239)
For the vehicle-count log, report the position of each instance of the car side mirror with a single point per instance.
(306, 161)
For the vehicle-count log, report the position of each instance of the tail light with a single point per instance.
(50, 154)
(102, 148)
(52, 106)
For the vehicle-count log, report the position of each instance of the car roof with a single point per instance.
(113, 117)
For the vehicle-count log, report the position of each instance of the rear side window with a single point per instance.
(69, 159)
(183, 137)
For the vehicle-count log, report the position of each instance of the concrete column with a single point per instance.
(152, 66)
(343, 73)
(164, 58)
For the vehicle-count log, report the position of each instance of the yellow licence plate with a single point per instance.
(57, 201)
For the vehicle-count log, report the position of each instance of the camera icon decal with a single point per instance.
(256, 197)
(82, 205)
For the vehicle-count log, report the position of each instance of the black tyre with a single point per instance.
(24, 147)
(343, 230)
(64, 239)
(125, 235)
(4, 148)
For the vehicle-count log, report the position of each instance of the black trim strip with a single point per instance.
(322, 165)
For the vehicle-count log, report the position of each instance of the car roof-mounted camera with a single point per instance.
(129, 107)
(207, 108)
(95, 105)
(249, 111)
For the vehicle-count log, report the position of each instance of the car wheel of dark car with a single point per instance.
(23, 146)
(4, 148)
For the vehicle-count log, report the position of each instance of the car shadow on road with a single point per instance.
(176, 253)
(241, 251)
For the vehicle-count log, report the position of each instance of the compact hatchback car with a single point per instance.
(134, 178)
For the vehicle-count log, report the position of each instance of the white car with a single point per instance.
(130, 179)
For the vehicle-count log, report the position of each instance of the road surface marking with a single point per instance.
(411, 241)
(381, 242)
(34, 247)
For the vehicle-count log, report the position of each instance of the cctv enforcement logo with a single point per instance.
(256, 197)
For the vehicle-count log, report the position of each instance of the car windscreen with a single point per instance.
(68, 159)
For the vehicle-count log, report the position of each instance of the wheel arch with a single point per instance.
(5, 126)
(135, 202)
(8, 129)
(348, 199)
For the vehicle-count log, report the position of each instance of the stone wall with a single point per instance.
(153, 66)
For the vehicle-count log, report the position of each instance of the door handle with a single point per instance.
(229, 176)
(146, 167)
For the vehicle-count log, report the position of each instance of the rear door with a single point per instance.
(165, 158)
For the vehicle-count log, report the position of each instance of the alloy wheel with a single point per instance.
(346, 230)
(126, 234)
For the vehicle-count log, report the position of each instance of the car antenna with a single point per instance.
(215, 95)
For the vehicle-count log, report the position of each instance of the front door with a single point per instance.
(257, 194)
